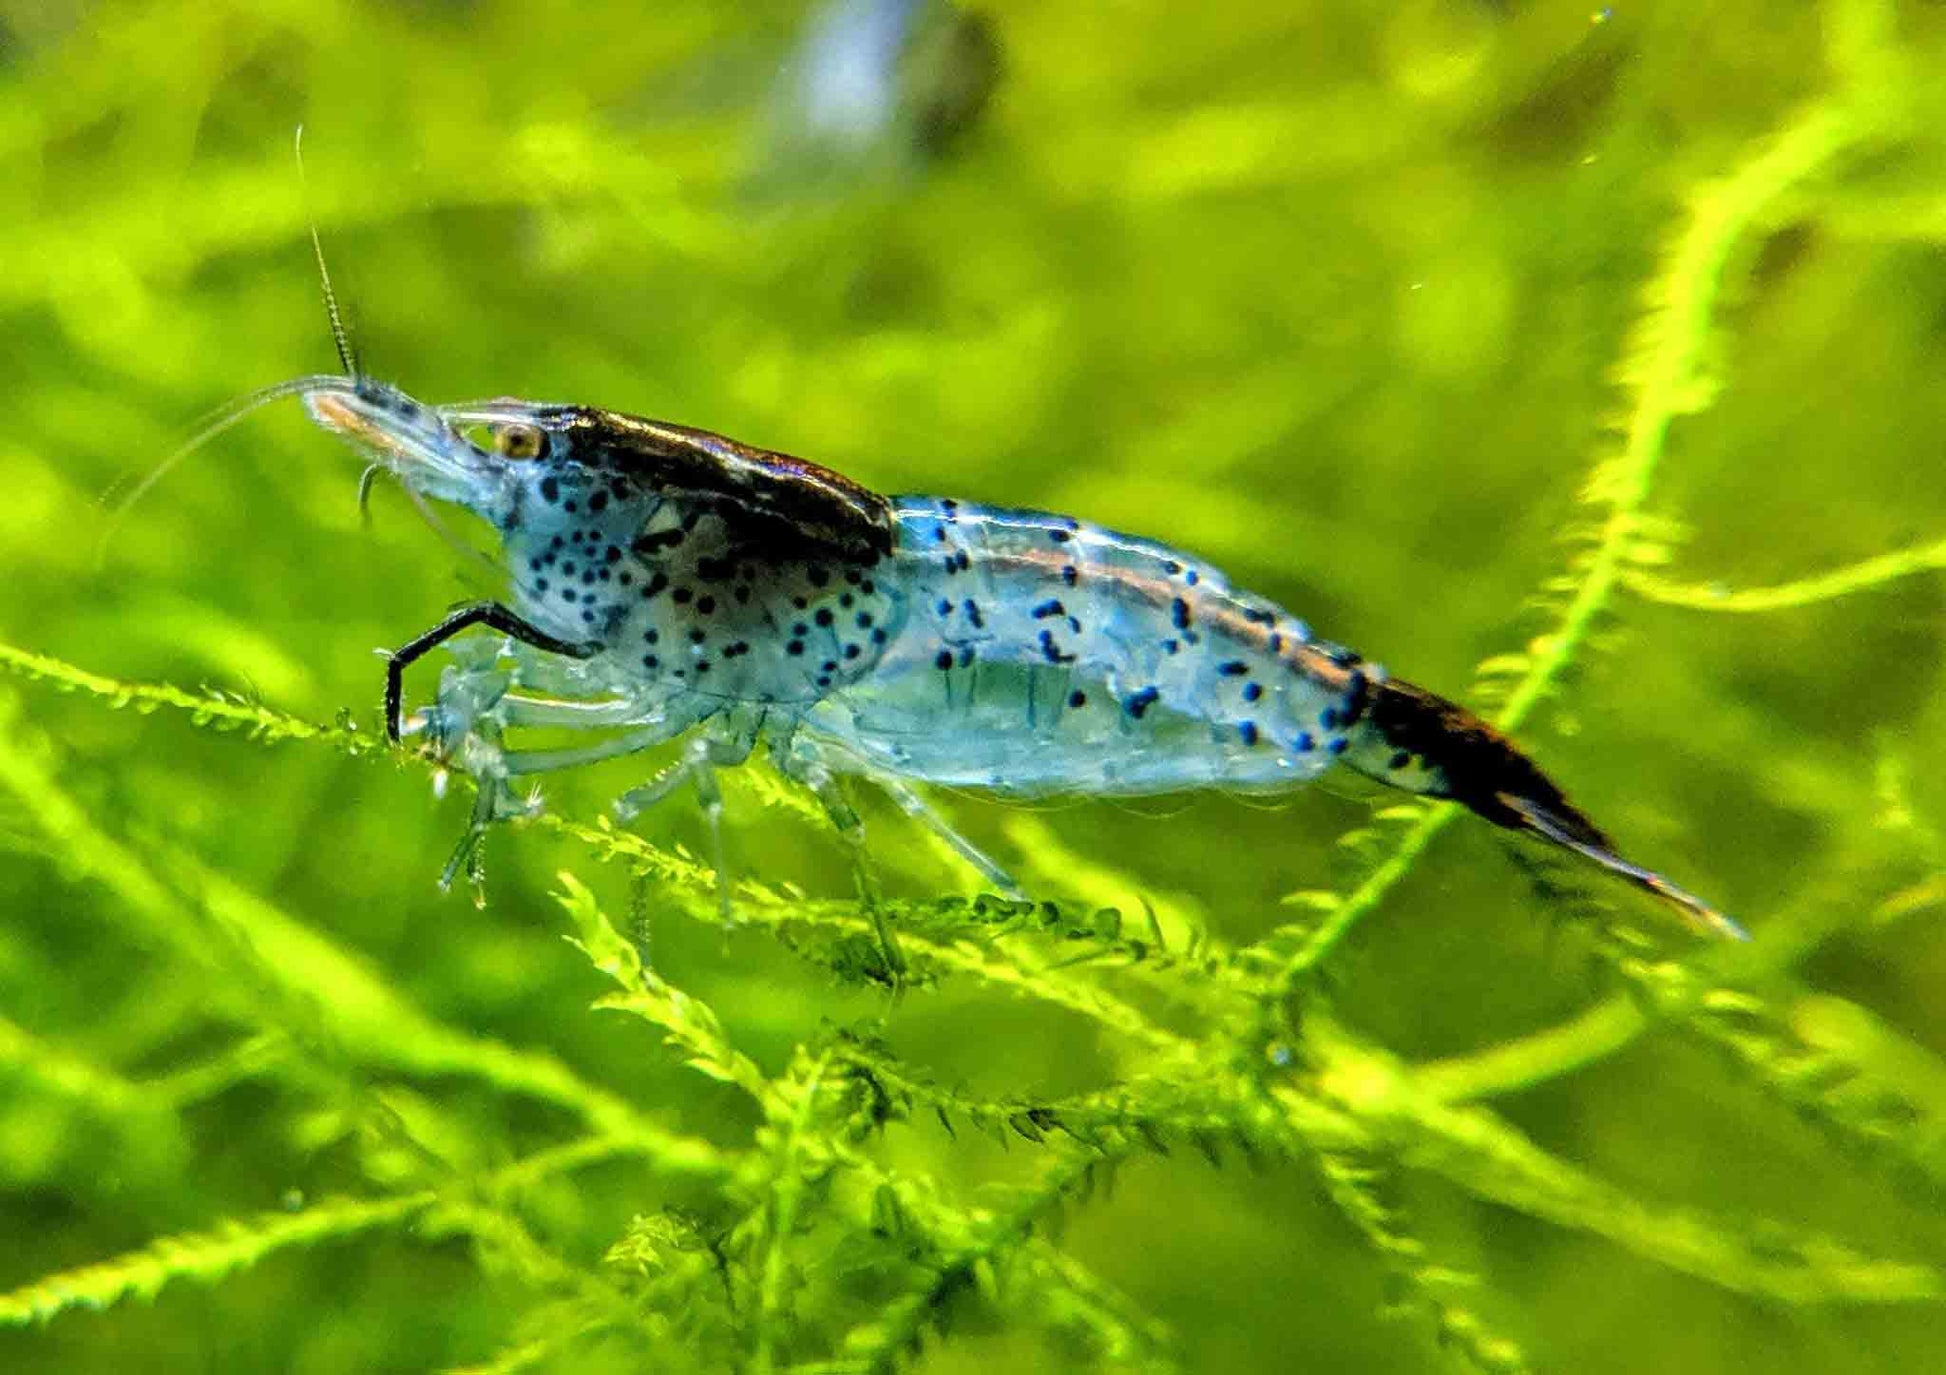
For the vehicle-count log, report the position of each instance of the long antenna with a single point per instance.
(340, 336)
(125, 492)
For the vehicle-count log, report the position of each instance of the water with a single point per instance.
(1336, 299)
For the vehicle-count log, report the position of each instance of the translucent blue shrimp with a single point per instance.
(667, 581)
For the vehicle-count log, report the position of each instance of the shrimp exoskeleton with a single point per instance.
(666, 581)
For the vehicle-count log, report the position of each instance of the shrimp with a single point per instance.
(669, 582)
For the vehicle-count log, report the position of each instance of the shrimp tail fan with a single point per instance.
(1422, 742)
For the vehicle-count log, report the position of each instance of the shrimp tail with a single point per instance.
(1419, 741)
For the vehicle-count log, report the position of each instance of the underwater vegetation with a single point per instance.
(1583, 367)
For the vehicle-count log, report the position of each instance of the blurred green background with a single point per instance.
(1340, 296)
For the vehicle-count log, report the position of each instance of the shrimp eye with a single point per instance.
(517, 440)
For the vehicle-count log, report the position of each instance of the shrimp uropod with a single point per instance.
(667, 581)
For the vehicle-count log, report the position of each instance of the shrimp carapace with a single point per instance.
(802, 506)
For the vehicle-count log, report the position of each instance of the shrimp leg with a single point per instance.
(519, 709)
(921, 811)
(701, 757)
(812, 765)
(491, 767)
(814, 774)
(476, 696)
(490, 614)
(807, 763)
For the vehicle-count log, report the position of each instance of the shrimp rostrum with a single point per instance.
(665, 582)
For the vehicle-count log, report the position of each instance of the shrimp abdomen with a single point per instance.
(1042, 655)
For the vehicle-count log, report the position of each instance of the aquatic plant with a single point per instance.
(269, 1100)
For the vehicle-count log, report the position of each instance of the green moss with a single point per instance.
(1589, 360)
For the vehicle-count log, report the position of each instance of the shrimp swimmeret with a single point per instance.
(668, 581)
